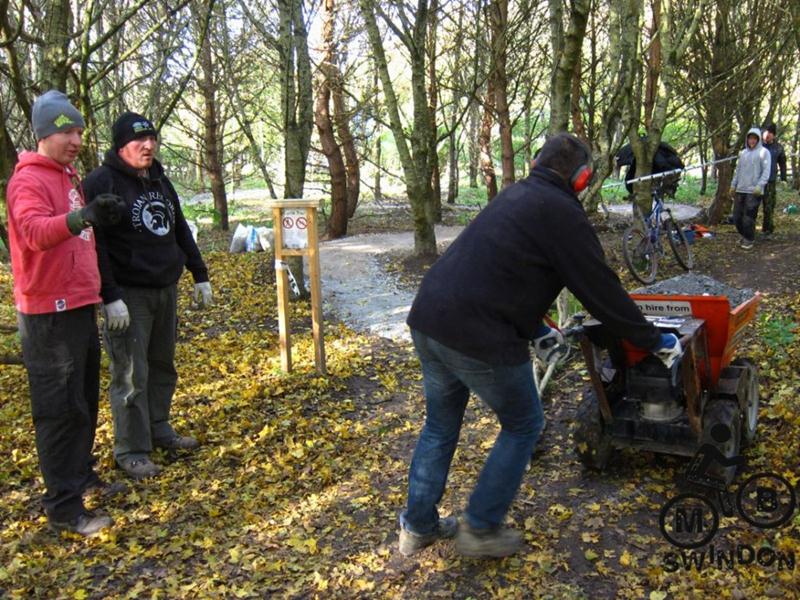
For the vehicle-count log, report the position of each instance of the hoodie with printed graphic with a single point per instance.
(53, 269)
(152, 243)
(753, 167)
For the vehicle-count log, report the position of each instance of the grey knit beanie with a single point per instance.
(52, 112)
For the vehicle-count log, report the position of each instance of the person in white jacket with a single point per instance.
(747, 186)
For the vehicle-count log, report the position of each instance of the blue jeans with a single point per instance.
(448, 377)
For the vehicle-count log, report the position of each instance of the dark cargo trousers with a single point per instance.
(61, 352)
(745, 212)
(143, 376)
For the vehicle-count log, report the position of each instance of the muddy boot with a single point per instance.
(411, 543)
(487, 543)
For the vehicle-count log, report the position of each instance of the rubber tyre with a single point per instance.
(592, 444)
(640, 254)
(724, 412)
(677, 241)
(750, 403)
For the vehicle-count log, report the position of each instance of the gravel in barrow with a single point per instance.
(693, 284)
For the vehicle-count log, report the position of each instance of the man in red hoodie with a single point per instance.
(56, 289)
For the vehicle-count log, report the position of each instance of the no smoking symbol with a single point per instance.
(301, 223)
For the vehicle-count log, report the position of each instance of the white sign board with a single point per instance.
(665, 308)
(295, 228)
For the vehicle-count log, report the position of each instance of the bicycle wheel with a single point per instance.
(640, 254)
(677, 241)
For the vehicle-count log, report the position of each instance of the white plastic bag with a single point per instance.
(266, 238)
(239, 239)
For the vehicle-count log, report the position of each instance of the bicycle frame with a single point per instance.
(652, 221)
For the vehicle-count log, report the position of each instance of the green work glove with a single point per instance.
(757, 191)
(104, 210)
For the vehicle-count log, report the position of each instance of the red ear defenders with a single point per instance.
(580, 178)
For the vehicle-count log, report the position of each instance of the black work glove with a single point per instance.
(104, 210)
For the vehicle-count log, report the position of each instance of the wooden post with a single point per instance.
(296, 235)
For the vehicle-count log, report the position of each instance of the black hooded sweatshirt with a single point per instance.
(488, 293)
(152, 243)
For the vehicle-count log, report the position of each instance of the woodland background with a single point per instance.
(424, 99)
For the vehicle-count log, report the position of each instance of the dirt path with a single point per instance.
(358, 290)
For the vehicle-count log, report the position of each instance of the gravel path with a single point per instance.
(359, 292)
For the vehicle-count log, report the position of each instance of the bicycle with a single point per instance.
(642, 242)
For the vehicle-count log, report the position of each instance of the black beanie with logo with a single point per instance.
(131, 126)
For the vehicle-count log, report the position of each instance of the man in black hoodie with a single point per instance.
(141, 259)
(477, 311)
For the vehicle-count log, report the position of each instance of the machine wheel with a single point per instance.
(677, 241)
(723, 412)
(592, 443)
(749, 404)
(640, 253)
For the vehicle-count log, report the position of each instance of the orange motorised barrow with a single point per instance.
(634, 401)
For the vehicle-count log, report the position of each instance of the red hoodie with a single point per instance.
(53, 269)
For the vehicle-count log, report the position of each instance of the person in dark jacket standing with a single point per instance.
(778, 160)
(477, 311)
(141, 260)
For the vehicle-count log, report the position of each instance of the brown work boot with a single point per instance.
(487, 543)
(411, 543)
(86, 524)
(177, 442)
(139, 468)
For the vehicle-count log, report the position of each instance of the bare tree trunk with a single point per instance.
(57, 21)
(623, 32)
(416, 160)
(342, 119)
(566, 53)
(433, 102)
(378, 193)
(452, 167)
(721, 205)
(8, 160)
(453, 138)
(653, 70)
(296, 108)
(498, 20)
(701, 150)
(674, 39)
(473, 144)
(485, 142)
(578, 126)
(337, 224)
(795, 150)
(212, 142)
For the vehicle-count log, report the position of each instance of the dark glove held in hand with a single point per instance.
(104, 210)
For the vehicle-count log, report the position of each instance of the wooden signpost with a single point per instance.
(295, 226)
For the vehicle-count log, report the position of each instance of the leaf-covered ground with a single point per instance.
(296, 488)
